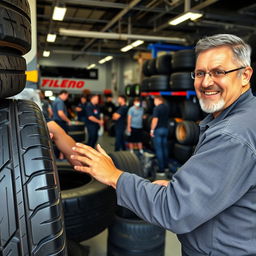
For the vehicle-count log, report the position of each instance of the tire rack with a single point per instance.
(187, 94)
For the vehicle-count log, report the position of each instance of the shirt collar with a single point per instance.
(209, 120)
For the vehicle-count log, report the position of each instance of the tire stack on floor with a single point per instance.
(31, 211)
(128, 234)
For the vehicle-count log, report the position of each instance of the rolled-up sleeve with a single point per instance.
(212, 180)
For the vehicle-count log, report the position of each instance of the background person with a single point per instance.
(159, 132)
(81, 109)
(120, 116)
(210, 202)
(94, 121)
(60, 113)
(134, 125)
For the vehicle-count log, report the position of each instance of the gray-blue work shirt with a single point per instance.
(211, 201)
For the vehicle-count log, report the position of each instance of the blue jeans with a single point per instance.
(160, 141)
(120, 141)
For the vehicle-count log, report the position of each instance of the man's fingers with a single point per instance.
(82, 159)
(82, 169)
(101, 150)
(87, 149)
(86, 152)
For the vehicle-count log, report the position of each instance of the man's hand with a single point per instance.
(96, 163)
(161, 182)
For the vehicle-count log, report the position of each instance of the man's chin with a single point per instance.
(210, 107)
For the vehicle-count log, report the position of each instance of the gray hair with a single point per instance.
(241, 50)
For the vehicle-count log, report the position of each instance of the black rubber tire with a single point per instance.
(145, 85)
(174, 106)
(184, 60)
(181, 81)
(78, 127)
(21, 6)
(77, 136)
(31, 211)
(135, 237)
(187, 133)
(15, 26)
(88, 205)
(12, 74)
(128, 162)
(164, 64)
(190, 111)
(159, 83)
(152, 67)
(182, 152)
(145, 70)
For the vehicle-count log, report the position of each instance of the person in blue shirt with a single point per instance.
(210, 203)
(60, 113)
(134, 125)
(120, 116)
(94, 120)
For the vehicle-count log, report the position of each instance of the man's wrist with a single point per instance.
(115, 178)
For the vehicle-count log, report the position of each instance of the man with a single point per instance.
(81, 109)
(93, 120)
(211, 201)
(60, 113)
(120, 117)
(159, 132)
(134, 125)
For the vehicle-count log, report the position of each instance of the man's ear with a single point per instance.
(246, 76)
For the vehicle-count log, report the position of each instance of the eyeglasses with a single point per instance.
(214, 73)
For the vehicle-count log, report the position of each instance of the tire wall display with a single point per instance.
(31, 211)
(88, 205)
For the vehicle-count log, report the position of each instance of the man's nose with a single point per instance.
(207, 81)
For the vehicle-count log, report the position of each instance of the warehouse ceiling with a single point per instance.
(138, 17)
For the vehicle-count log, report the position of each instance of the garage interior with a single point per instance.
(111, 48)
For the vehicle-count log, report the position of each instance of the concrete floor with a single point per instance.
(98, 244)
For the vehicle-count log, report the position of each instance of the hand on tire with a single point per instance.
(97, 163)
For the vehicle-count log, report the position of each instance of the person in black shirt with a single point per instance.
(120, 117)
(159, 132)
(93, 121)
(81, 109)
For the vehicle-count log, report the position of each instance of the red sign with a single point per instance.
(62, 83)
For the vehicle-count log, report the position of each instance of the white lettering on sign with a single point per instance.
(55, 83)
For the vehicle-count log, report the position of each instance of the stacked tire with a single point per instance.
(31, 211)
(157, 72)
(129, 235)
(132, 90)
(187, 134)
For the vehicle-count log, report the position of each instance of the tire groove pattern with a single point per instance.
(27, 228)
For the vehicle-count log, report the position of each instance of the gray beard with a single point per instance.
(212, 107)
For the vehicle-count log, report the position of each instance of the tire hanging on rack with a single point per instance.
(181, 81)
(183, 60)
(164, 64)
(187, 133)
(159, 83)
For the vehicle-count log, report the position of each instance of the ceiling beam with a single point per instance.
(105, 4)
(111, 23)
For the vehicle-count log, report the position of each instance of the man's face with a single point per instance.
(95, 100)
(216, 94)
(120, 100)
(65, 96)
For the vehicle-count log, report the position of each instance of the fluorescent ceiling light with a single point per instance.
(105, 59)
(185, 16)
(137, 43)
(48, 93)
(132, 45)
(91, 66)
(108, 58)
(46, 53)
(51, 38)
(127, 48)
(59, 13)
